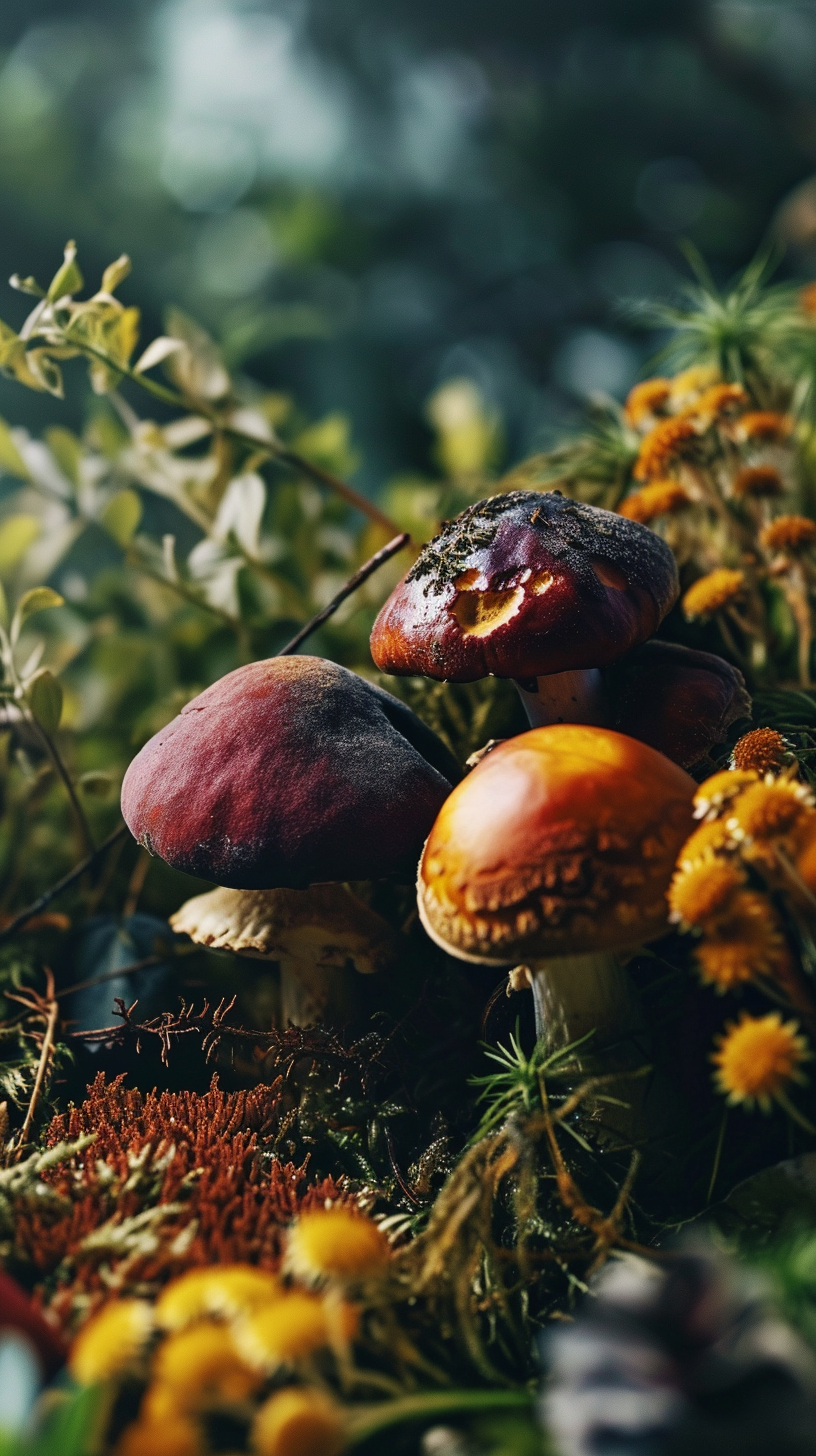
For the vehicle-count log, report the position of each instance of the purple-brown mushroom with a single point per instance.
(289, 772)
(531, 586)
(679, 701)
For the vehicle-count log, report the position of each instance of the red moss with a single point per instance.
(202, 1151)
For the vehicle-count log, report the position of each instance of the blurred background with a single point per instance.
(363, 200)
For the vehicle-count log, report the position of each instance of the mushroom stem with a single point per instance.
(312, 994)
(564, 697)
(578, 994)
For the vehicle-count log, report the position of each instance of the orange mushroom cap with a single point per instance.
(561, 841)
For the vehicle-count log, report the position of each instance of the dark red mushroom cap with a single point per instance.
(289, 772)
(678, 701)
(523, 585)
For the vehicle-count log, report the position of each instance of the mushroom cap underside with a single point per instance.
(522, 585)
(323, 926)
(679, 701)
(560, 841)
(285, 773)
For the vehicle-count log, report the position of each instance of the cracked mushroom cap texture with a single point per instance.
(560, 841)
(526, 584)
(285, 773)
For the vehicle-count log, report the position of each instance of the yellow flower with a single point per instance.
(201, 1366)
(297, 1423)
(746, 944)
(757, 1057)
(658, 498)
(788, 533)
(335, 1242)
(701, 893)
(111, 1341)
(291, 1328)
(704, 844)
(719, 789)
(175, 1436)
(225, 1290)
(713, 592)
(768, 810)
(761, 751)
(645, 400)
(758, 481)
(688, 385)
(762, 425)
(667, 442)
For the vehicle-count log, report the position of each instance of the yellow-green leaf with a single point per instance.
(42, 367)
(115, 273)
(122, 515)
(66, 450)
(4, 611)
(39, 599)
(68, 278)
(17, 533)
(44, 698)
(11, 461)
(159, 350)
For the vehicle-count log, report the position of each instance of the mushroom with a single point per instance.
(288, 773)
(532, 586)
(679, 701)
(557, 851)
(319, 937)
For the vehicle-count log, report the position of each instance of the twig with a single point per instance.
(57, 760)
(50, 1010)
(48, 895)
(362, 574)
(315, 472)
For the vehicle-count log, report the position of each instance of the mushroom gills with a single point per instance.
(564, 697)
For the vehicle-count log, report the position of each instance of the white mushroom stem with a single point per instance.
(312, 993)
(578, 994)
(566, 697)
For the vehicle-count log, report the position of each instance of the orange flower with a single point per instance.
(172, 1436)
(758, 481)
(807, 300)
(763, 425)
(689, 384)
(658, 498)
(645, 400)
(701, 893)
(200, 1366)
(746, 944)
(293, 1327)
(668, 441)
(718, 400)
(788, 533)
(713, 592)
(762, 751)
(757, 1057)
(336, 1243)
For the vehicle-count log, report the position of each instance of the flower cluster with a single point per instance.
(718, 476)
(750, 862)
(235, 1343)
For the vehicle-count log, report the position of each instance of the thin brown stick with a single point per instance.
(51, 1012)
(362, 574)
(48, 895)
(324, 477)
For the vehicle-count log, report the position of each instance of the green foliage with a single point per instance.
(68, 1426)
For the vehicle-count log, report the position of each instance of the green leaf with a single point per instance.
(17, 533)
(155, 353)
(66, 449)
(11, 461)
(96, 783)
(122, 515)
(68, 278)
(27, 285)
(4, 611)
(44, 697)
(39, 599)
(116, 273)
(48, 374)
